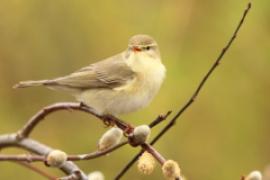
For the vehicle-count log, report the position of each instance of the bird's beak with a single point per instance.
(136, 49)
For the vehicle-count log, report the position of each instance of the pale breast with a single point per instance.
(140, 91)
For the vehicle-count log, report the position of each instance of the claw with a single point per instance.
(108, 121)
(128, 131)
(82, 104)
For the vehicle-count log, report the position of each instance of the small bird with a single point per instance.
(116, 85)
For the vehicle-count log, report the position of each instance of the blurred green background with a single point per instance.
(224, 134)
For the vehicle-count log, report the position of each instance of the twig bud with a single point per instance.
(110, 138)
(96, 175)
(146, 163)
(254, 175)
(171, 170)
(56, 158)
(139, 135)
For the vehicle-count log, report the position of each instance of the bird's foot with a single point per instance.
(128, 130)
(82, 104)
(108, 120)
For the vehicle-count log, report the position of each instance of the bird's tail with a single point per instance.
(24, 84)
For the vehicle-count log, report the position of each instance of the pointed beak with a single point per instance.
(136, 49)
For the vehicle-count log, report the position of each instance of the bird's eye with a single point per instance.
(148, 48)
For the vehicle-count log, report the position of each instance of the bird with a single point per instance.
(120, 84)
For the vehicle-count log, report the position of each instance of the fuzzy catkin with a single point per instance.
(171, 170)
(110, 138)
(146, 163)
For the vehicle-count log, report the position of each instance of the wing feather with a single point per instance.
(109, 73)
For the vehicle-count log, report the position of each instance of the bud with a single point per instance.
(254, 175)
(96, 175)
(140, 135)
(110, 138)
(56, 158)
(146, 163)
(171, 170)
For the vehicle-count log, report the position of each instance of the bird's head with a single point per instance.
(145, 44)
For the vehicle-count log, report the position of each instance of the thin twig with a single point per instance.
(129, 165)
(205, 78)
(154, 153)
(29, 158)
(37, 170)
(159, 119)
(95, 154)
(193, 97)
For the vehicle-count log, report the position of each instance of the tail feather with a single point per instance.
(24, 84)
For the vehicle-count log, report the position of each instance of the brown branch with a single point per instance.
(155, 153)
(29, 158)
(129, 165)
(159, 119)
(195, 94)
(38, 117)
(95, 154)
(37, 170)
(205, 78)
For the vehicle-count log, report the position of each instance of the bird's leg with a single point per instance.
(108, 120)
(128, 130)
(82, 104)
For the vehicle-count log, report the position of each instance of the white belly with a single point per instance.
(114, 102)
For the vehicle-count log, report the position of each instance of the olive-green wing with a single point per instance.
(109, 73)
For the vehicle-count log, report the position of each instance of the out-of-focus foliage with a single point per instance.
(222, 136)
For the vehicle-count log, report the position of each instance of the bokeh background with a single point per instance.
(223, 135)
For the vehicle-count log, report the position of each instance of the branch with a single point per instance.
(155, 153)
(205, 78)
(10, 140)
(195, 94)
(38, 117)
(20, 139)
(37, 170)
(95, 154)
(159, 119)
(29, 158)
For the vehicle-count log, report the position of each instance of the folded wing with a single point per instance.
(109, 73)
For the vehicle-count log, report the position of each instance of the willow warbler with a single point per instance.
(119, 84)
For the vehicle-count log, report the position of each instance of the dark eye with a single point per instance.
(148, 48)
